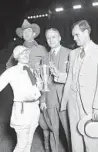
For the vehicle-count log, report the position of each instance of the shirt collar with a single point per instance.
(30, 44)
(89, 45)
(56, 50)
(20, 65)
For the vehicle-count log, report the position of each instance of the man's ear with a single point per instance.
(60, 38)
(34, 34)
(86, 32)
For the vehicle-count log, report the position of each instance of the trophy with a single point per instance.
(45, 76)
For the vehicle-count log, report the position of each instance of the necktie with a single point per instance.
(31, 75)
(82, 53)
(54, 52)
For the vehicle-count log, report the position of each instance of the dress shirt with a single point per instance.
(20, 83)
(61, 78)
(56, 50)
(82, 53)
(87, 47)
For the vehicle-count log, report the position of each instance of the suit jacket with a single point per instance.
(87, 79)
(53, 97)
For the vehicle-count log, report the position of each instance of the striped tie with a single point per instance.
(54, 52)
(82, 53)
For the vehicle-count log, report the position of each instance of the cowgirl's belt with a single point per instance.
(22, 104)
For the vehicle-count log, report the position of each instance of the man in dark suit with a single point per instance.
(58, 61)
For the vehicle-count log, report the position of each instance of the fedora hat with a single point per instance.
(88, 126)
(25, 25)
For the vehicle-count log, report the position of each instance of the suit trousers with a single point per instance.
(54, 116)
(76, 112)
(90, 144)
(74, 117)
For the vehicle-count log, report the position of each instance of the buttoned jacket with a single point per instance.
(56, 89)
(87, 79)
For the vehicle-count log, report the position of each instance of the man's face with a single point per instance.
(28, 34)
(24, 57)
(53, 38)
(79, 36)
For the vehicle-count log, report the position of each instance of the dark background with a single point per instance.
(13, 12)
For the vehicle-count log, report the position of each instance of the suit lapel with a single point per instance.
(87, 59)
(60, 56)
(55, 58)
(75, 60)
(87, 76)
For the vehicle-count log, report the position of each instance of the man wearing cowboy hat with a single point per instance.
(29, 32)
(25, 110)
(81, 89)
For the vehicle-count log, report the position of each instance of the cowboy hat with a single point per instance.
(25, 25)
(89, 127)
(18, 50)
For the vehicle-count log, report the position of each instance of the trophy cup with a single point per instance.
(45, 76)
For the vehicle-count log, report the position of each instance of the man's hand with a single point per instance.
(56, 79)
(53, 69)
(39, 84)
(95, 115)
(37, 70)
(43, 106)
(61, 78)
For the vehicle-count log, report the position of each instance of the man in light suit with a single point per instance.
(58, 59)
(80, 92)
